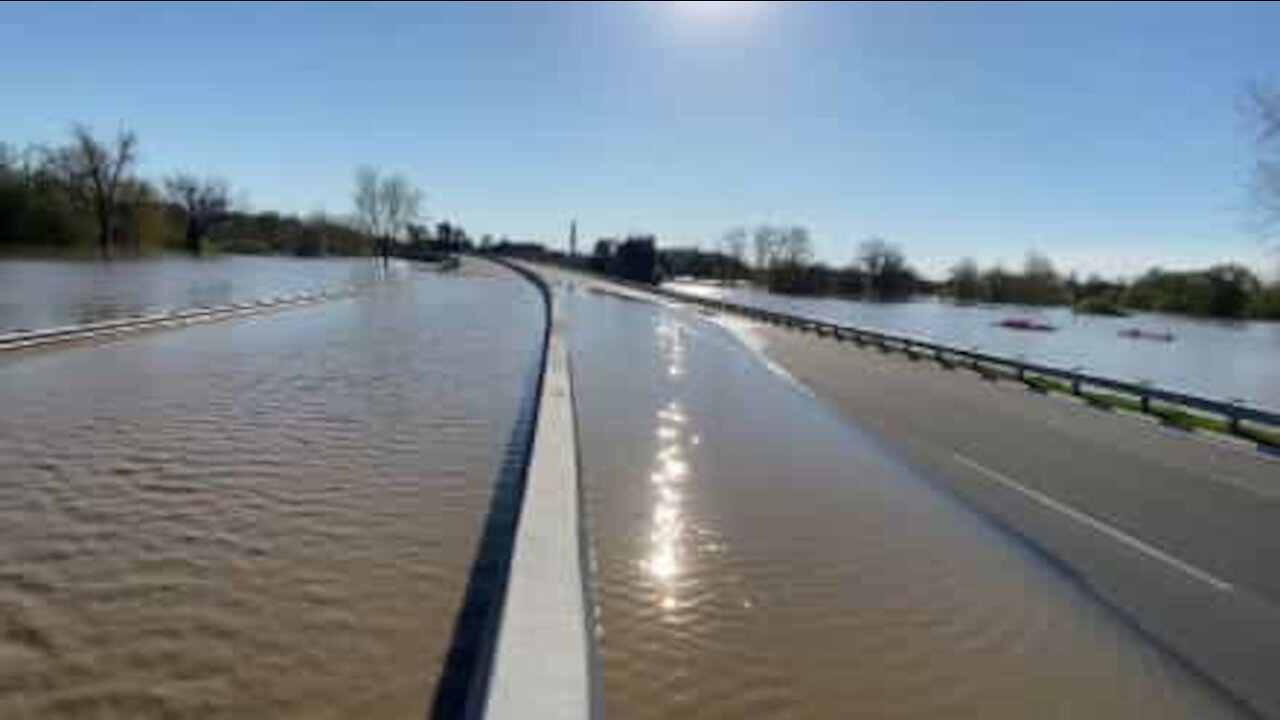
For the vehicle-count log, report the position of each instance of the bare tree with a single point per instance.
(385, 207)
(733, 245)
(401, 205)
(765, 242)
(97, 173)
(783, 254)
(735, 242)
(1040, 282)
(966, 281)
(368, 201)
(204, 201)
(888, 276)
(794, 248)
(791, 257)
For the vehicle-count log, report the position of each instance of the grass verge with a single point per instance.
(1176, 417)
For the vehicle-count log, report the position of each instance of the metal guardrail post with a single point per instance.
(1233, 417)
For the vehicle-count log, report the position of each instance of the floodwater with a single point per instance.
(1216, 359)
(273, 517)
(756, 556)
(38, 294)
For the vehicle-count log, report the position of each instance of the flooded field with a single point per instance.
(755, 556)
(272, 517)
(37, 294)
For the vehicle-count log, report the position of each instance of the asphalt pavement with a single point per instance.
(1179, 531)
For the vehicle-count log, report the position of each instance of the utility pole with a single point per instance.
(573, 238)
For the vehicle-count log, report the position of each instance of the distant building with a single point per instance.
(521, 248)
(637, 259)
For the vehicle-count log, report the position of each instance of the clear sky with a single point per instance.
(1110, 137)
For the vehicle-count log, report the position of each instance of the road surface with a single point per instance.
(856, 584)
(1179, 531)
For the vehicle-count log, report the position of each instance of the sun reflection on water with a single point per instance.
(671, 471)
(672, 341)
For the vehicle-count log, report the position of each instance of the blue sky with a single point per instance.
(1108, 136)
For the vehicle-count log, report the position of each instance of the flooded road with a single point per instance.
(756, 556)
(272, 517)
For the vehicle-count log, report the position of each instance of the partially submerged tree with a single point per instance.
(966, 281)
(402, 205)
(784, 255)
(1220, 291)
(794, 249)
(887, 275)
(733, 246)
(97, 172)
(1040, 284)
(368, 202)
(764, 241)
(204, 201)
(792, 256)
(386, 207)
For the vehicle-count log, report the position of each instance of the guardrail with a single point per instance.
(1233, 415)
(26, 339)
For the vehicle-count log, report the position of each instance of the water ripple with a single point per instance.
(784, 566)
(267, 518)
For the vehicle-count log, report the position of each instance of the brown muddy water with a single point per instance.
(756, 556)
(272, 517)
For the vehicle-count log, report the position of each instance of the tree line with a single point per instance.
(1224, 291)
(83, 193)
(84, 196)
(782, 262)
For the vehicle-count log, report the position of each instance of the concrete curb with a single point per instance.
(541, 666)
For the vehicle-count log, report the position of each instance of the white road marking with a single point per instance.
(1098, 525)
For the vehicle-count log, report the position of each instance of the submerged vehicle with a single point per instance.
(1140, 334)
(1028, 324)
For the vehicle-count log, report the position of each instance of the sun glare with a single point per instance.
(710, 12)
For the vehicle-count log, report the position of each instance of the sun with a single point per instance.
(710, 11)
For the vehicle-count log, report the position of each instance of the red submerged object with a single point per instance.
(1026, 324)
(1140, 334)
